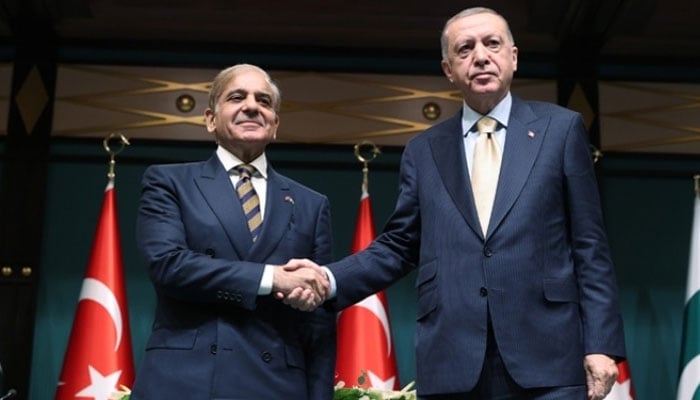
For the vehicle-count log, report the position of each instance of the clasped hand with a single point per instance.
(301, 284)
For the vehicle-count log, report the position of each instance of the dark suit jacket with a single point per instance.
(543, 270)
(213, 337)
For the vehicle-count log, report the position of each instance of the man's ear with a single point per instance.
(277, 125)
(209, 119)
(447, 69)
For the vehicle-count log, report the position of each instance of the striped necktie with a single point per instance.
(249, 199)
(486, 166)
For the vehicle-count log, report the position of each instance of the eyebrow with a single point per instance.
(243, 91)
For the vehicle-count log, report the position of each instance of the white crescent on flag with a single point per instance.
(101, 294)
(373, 305)
(690, 379)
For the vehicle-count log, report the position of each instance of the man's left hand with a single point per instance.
(601, 372)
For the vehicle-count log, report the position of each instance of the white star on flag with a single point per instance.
(379, 383)
(101, 387)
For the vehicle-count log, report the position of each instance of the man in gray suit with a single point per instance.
(214, 261)
(516, 290)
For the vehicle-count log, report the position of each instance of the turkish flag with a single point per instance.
(99, 356)
(622, 389)
(365, 351)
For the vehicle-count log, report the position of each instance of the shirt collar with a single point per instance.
(500, 113)
(230, 161)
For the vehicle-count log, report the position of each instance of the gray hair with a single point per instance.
(467, 13)
(225, 76)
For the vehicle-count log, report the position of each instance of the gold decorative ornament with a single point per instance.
(6, 271)
(123, 142)
(596, 154)
(185, 103)
(26, 271)
(431, 111)
(366, 151)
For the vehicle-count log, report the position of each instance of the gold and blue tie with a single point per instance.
(486, 166)
(249, 199)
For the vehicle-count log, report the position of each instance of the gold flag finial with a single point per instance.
(596, 154)
(366, 151)
(123, 142)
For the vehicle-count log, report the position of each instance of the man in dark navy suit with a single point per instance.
(516, 289)
(214, 261)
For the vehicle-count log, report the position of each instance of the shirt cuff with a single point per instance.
(266, 280)
(331, 279)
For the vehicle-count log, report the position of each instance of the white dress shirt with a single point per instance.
(500, 113)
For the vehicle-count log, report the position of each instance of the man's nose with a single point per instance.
(250, 104)
(480, 54)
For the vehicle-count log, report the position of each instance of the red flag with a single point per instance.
(365, 351)
(99, 357)
(622, 389)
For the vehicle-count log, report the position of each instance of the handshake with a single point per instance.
(301, 284)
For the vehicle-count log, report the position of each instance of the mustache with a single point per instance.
(242, 120)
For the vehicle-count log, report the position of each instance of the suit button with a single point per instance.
(210, 252)
(488, 252)
(266, 356)
(483, 292)
(212, 349)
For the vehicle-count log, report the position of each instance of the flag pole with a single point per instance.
(365, 351)
(696, 178)
(366, 151)
(123, 142)
(98, 360)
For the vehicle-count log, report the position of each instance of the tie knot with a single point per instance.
(486, 125)
(245, 170)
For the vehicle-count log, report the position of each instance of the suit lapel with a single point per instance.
(279, 211)
(215, 185)
(524, 139)
(447, 148)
